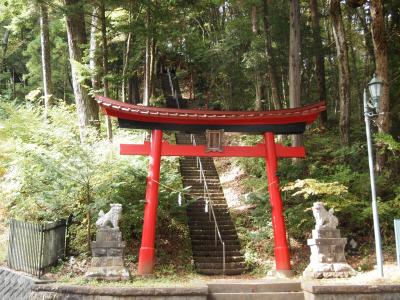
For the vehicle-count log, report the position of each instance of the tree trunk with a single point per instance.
(105, 64)
(46, 62)
(146, 88)
(126, 66)
(379, 39)
(133, 89)
(381, 62)
(319, 58)
(152, 85)
(294, 63)
(344, 72)
(93, 56)
(87, 108)
(3, 62)
(276, 96)
(257, 75)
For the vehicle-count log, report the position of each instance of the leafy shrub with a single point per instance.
(47, 174)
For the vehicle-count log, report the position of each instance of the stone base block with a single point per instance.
(107, 262)
(108, 273)
(325, 233)
(326, 270)
(108, 235)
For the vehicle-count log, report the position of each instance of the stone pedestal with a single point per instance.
(327, 258)
(108, 256)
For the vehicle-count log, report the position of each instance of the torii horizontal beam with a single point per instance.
(168, 149)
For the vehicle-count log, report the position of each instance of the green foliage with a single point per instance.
(312, 187)
(337, 176)
(47, 174)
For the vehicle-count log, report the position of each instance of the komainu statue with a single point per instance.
(112, 217)
(324, 218)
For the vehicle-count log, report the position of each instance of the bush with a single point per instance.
(47, 174)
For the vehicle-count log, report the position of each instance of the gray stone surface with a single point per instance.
(313, 291)
(327, 258)
(71, 292)
(15, 285)
(272, 289)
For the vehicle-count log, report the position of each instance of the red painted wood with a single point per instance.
(127, 111)
(146, 254)
(281, 249)
(200, 150)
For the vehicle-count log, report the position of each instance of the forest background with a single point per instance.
(57, 157)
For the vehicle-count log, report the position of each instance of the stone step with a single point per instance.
(206, 223)
(203, 253)
(201, 231)
(201, 242)
(210, 236)
(257, 286)
(220, 272)
(212, 248)
(224, 230)
(218, 259)
(199, 215)
(219, 265)
(258, 296)
(217, 204)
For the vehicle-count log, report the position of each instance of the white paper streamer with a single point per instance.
(180, 199)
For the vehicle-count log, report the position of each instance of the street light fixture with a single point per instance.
(375, 87)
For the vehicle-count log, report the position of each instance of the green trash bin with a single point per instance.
(397, 238)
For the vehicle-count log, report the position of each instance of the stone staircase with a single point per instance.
(166, 88)
(255, 290)
(207, 256)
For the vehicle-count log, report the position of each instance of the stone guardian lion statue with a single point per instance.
(110, 218)
(324, 218)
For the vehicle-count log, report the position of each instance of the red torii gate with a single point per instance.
(287, 121)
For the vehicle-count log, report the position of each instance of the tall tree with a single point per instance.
(257, 73)
(126, 66)
(147, 67)
(379, 39)
(3, 62)
(344, 70)
(93, 55)
(46, 61)
(87, 108)
(319, 57)
(294, 62)
(276, 96)
(105, 62)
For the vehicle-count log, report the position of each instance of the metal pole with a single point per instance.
(377, 233)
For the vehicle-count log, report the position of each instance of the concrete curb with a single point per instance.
(120, 291)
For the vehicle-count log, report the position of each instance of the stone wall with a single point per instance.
(15, 285)
(59, 292)
(313, 291)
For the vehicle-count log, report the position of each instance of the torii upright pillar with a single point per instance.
(281, 249)
(147, 250)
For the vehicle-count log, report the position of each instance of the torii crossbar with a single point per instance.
(268, 123)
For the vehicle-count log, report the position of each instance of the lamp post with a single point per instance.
(374, 87)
